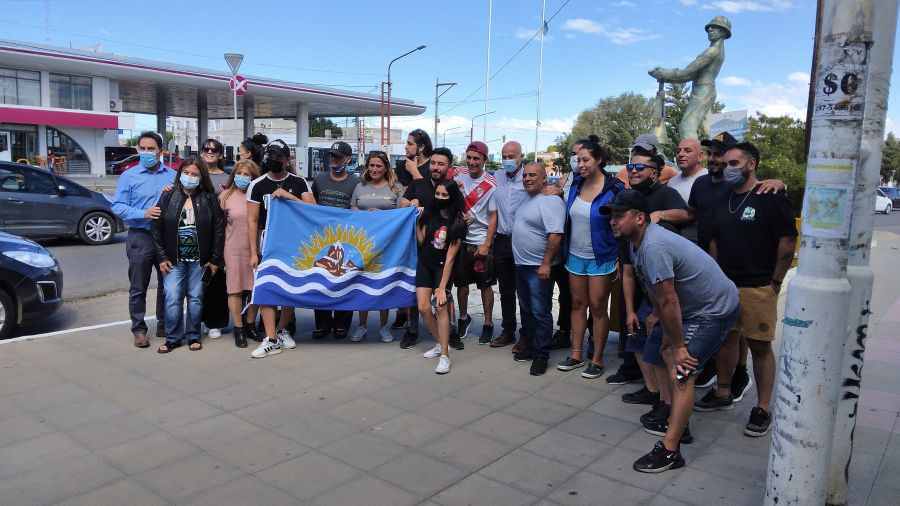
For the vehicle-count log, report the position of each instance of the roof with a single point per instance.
(138, 80)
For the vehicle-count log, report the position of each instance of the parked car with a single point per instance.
(131, 162)
(891, 192)
(882, 202)
(111, 164)
(39, 203)
(111, 153)
(31, 283)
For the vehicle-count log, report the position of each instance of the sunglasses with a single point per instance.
(637, 167)
(209, 150)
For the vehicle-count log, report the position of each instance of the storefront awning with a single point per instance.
(58, 117)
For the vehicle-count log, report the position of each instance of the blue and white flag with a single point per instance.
(318, 257)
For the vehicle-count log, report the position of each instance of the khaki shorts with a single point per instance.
(759, 311)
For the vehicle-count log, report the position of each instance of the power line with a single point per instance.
(526, 94)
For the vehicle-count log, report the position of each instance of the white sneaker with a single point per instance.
(266, 348)
(358, 334)
(434, 352)
(443, 366)
(386, 335)
(285, 339)
(215, 333)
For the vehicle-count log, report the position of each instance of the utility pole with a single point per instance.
(859, 274)
(537, 117)
(487, 69)
(809, 378)
(437, 118)
(472, 127)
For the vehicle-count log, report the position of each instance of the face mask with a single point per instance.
(643, 186)
(573, 162)
(339, 169)
(148, 159)
(189, 182)
(734, 176)
(509, 165)
(441, 203)
(242, 182)
(273, 166)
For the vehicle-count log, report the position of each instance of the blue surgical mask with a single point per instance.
(148, 159)
(339, 169)
(189, 182)
(242, 182)
(509, 165)
(573, 162)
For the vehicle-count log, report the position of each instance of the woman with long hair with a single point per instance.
(238, 272)
(378, 189)
(189, 236)
(591, 254)
(440, 230)
(251, 148)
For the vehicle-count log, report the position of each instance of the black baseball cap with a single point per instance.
(722, 142)
(625, 200)
(341, 149)
(279, 146)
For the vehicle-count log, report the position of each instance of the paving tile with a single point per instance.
(419, 474)
(259, 451)
(507, 428)
(590, 489)
(309, 475)
(235, 396)
(613, 407)
(888, 474)
(477, 489)
(699, 487)
(858, 491)
(541, 410)
(178, 481)
(616, 464)
(363, 382)
(364, 450)
(567, 448)
(214, 432)
(37, 452)
(69, 416)
(864, 467)
(112, 431)
(573, 395)
(51, 483)
(529, 472)
(316, 429)
(319, 397)
(114, 493)
(468, 450)
(454, 411)
(661, 500)
(148, 452)
(22, 427)
(364, 412)
(892, 450)
(149, 395)
(411, 430)
(406, 397)
(369, 491)
(8, 408)
(491, 395)
(882, 496)
(272, 413)
(598, 427)
(243, 491)
(181, 412)
(52, 396)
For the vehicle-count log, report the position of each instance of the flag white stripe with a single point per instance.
(320, 288)
(290, 271)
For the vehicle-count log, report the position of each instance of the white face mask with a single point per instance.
(573, 162)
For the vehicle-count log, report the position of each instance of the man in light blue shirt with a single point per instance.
(135, 201)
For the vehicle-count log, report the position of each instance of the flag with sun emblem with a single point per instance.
(318, 257)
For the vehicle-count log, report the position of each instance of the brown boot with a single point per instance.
(140, 340)
(504, 339)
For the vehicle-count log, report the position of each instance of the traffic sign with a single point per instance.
(238, 85)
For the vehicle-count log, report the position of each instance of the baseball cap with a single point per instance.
(648, 142)
(721, 142)
(341, 149)
(279, 146)
(478, 147)
(625, 200)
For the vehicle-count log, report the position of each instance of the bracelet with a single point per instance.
(776, 282)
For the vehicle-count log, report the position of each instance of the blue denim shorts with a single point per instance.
(702, 337)
(589, 266)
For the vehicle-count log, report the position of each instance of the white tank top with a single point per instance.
(580, 237)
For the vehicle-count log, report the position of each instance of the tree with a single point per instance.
(890, 158)
(317, 127)
(133, 141)
(781, 142)
(678, 95)
(616, 121)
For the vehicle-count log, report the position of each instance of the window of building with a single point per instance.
(20, 87)
(71, 92)
(69, 157)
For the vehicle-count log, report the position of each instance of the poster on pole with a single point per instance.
(829, 197)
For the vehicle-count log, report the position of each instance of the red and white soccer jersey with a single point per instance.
(479, 199)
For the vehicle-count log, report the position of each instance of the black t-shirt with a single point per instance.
(421, 189)
(704, 194)
(747, 233)
(661, 198)
(262, 187)
(405, 177)
(433, 251)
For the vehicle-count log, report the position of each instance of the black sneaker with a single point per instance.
(710, 402)
(740, 383)
(561, 340)
(538, 366)
(592, 371)
(400, 321)
(525, 355)
(658, 460)
(707, 377)
(455, 342)
(660, 428)
(642, 396)
(321, 333)
(409, 340)
(487, 334)
(620, 379)
(759, 424)
(659, 413)
(464, 324)
(569, 364)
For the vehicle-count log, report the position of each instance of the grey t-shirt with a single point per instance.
(366, 196)
(539, 215)
(331, 193)
(701, 286)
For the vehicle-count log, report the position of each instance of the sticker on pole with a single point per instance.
(840, 86)
(238, 85)
(828, 199)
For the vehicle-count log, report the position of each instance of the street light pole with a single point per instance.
(472, 127)
(387, 142)
(444, 143)
(437, 118)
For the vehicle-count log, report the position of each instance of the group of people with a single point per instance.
(693, 260)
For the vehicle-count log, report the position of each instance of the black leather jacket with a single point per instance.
(210, 222)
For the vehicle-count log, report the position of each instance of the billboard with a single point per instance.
(733, 122)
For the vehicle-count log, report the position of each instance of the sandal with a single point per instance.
(167, 347)
(193, 343)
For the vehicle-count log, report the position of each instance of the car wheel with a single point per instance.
(887, 209)
(7, 314)
(96, 228)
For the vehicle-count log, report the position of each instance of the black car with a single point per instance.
(36, 203)
(31, 282)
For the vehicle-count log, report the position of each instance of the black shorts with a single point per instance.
(429, 276)
(464, 273)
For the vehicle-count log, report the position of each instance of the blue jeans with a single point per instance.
(183, 281)
(703, 336)
(534, 303)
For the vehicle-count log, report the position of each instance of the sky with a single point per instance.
(593, 49)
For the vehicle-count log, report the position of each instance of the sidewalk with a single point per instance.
(85, 418)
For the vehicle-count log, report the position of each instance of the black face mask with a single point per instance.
(441, 203)
(273, 166)
(643, 186)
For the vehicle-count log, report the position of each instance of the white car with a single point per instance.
(882, 202)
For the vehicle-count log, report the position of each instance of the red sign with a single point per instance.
(238, 85)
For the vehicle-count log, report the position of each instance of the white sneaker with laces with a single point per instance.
(284, 337)
(443, 366)
(266, 348)
(386, 335)
(215, 333)
(434, 352)
(359, 333)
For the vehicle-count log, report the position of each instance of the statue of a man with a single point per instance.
(702, 71)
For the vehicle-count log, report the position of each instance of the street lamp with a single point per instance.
(444, 143)
(472, 128)
(234, 63)
(389, 99)
(437, 118)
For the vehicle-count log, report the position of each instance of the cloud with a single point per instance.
(735, 81)
(526, 33)
(787, 98)
(799, 77)
(621, 36)
(736, 6)
(627, 4)
(689, 3)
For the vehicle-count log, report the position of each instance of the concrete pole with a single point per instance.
(302, 149)
(808, 381)
(859, 273)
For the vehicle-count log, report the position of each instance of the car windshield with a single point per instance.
(890, 191)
